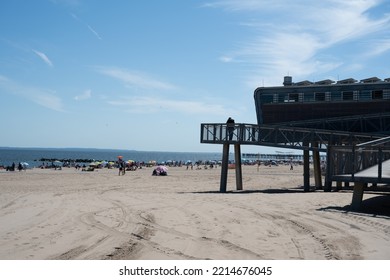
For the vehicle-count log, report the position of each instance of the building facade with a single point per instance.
(323, 99)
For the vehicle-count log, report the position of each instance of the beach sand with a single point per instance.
(70, 214)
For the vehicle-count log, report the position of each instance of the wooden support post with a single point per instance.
(339, 185)
(306, 170)
(224, 168)
(317, 167)
(357, 196)
(237, 154)
(329, 170)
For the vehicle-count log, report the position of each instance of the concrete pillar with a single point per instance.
(357, 196)
(306, 170)
(224, 167)
(237, 154)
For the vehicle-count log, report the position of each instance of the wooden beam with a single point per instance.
(237, 154)
(224, 168)
(317, 167)
(357, 196)
(306, 170)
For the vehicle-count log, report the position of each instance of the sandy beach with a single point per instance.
(70, 214)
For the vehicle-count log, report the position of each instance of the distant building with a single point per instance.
(307, 100)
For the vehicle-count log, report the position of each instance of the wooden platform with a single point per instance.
(360, 179)
(369, 175)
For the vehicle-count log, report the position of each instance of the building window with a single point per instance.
(308, 97)
(347, 95)
(266, 98)
(335, 96)
(319, 96)
(386, 94)
(377, 94)
(365, 95)
(293, 97)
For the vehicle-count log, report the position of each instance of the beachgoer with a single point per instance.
(230, 127)
(120, 165)
(123, 167)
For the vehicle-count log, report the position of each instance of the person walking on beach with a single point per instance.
(121, 165)
(230, 127)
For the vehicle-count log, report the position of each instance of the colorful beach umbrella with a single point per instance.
(161, 168)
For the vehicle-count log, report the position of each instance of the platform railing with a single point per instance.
(346, 163)
(220, 133)
(278, 136)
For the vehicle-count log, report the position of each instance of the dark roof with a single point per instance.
(324, 82)
(303, 83)
(370, 80)
(347, 81)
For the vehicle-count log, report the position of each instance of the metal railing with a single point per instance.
(278, 136)
(362, 162)
(219, 133)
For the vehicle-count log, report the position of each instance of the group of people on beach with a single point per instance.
(13, 166)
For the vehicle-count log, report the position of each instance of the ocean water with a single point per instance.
(33, 155)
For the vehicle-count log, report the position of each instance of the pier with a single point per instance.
(348, 122)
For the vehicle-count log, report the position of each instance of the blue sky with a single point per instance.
(143, 75)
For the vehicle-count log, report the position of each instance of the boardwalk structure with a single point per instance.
(347, 120)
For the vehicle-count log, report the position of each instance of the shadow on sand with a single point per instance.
(267, 191)
(375, 206)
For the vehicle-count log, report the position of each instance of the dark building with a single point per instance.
(307, 100)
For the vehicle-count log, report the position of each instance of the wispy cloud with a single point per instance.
(94, 32)
(135, 78)
(148, 102)
(39, 96)
(379, 47)
(84, 96)
(142, 104)
(296, 36)
(44, 57)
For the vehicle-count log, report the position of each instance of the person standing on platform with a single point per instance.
(230, 128)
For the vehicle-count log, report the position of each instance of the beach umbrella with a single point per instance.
(161, 168)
